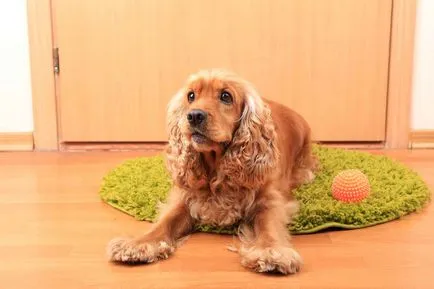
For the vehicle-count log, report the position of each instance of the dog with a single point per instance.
(234, 158)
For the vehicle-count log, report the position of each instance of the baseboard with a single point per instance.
(110, 146)
(159, 146)
(422, 139)
(355, 145)
(16, 141)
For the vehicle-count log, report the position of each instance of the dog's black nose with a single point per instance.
(196, 117)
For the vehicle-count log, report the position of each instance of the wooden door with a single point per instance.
(121, 61)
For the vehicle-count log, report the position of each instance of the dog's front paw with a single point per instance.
(284, 260)
(130, 251)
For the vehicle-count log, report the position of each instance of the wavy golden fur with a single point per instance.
(234, 158)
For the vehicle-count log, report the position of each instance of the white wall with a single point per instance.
(423, 78)
(15, 88)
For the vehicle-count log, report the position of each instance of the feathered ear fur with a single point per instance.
(182, 161)
(253, 153)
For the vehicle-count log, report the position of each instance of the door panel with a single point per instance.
(121, 61)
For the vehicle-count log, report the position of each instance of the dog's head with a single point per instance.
(217, 109)
(212, 106)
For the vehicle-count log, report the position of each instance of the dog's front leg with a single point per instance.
(161, 240)
(267, 246)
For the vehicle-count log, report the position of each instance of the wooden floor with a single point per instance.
(54, 230)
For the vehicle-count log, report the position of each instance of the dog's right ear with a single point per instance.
(183, 163)
(176, 143)
(175, 115)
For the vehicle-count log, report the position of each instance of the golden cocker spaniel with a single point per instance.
(234, 158)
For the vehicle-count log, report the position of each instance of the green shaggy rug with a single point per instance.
(137, 186)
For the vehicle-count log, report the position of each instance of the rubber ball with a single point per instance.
(350, 186)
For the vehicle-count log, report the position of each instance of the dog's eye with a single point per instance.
(190, 96)
(226, 97)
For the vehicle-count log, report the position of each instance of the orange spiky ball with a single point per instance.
(350, 186)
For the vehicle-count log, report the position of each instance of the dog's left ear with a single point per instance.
(253, 152)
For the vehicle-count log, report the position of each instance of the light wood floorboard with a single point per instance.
(54, 229)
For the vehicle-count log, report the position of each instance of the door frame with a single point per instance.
(45, 120)
(399, 95)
